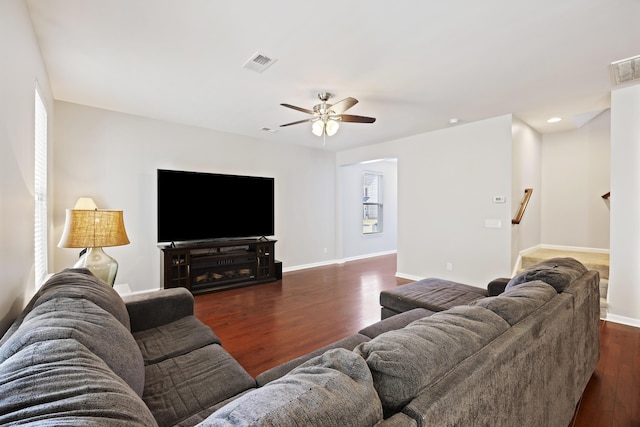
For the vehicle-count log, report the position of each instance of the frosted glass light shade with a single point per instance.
(332, 127)
(317, 128)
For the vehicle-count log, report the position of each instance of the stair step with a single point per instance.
(592, 260)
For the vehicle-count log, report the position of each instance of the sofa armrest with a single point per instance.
(496, 286)
(152, 309)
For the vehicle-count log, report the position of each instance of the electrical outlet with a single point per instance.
(449, 266)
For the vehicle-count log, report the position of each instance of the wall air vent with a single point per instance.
(258, 62)
(626, 70)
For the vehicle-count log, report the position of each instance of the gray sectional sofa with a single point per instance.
(80, 355)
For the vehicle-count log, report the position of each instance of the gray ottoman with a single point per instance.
(431, 294)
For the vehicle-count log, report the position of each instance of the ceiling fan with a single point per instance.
(326, 116)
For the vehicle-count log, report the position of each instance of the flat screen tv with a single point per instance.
(195, 206)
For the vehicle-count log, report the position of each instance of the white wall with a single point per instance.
(575, 174)
(624, 271)
(526, 160)
(21, 67)
(446, 183)
(354, 243)
(113, 158)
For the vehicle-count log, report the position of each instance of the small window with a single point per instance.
(372, 203)
(40, 192)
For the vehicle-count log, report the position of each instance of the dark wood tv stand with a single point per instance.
(218, 264)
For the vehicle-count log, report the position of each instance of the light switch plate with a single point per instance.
(492, 223)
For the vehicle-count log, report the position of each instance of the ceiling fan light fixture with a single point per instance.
(325, 117)
(317, 128)
(332, 127)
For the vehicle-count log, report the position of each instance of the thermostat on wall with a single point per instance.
(499, 199)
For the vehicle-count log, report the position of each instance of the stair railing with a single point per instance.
(523, 206)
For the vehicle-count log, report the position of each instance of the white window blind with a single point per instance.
(372, 203)
(40, 187)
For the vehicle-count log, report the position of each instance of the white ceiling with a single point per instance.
(412, 64)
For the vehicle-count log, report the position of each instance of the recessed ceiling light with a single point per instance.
(554, 120)
(454, 121)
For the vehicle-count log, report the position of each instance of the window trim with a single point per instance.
(379, 199)
(41, 239)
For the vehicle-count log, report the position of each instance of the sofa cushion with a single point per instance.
(558, 272)
(333, 389)
(432, 294)
(85, 322)
(81, 283)
(174, 339)
(397, 321)
(405, 361)
(75, 283)
(179, 387)
(269, 375)
(200, 416)
(519, 301)
(60, 382)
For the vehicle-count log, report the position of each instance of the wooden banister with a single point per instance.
(606, 195)
(523, 206)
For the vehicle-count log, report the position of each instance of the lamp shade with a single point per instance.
(85, 203)
(93, 228)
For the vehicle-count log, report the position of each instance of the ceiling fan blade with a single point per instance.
(356, 119)
(304, 110)
(298, 122)
(342, 106)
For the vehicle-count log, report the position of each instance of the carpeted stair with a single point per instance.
(592, 260)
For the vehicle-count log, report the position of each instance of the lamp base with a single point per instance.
(100, 264)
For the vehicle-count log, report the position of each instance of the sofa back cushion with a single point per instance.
(405, 361)
(558, 272)
(333, 389)
(174, 339)
(61, 382)
(76, 283)
(64, 318)
(519, 301)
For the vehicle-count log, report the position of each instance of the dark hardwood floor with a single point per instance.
(265, 325)
(612, 397)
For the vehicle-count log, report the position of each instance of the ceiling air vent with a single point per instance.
(258, 62)
(626, 70)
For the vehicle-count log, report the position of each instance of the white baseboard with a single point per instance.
(312, 265)
(123, 289)
(336, 261)
(408, 276)
(564, 248)
(629, 321)
(355, 258)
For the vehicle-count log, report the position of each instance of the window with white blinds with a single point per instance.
(372, 203)
(40, 187)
